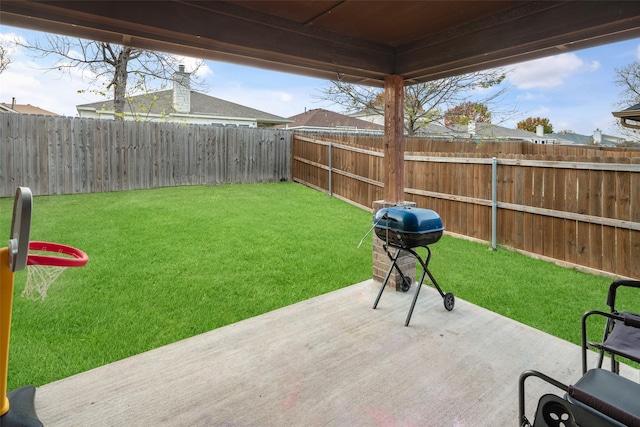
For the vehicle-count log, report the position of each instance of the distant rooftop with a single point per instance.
(161, 103)
(25, 109)
(322, 119)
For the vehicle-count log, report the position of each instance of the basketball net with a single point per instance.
(39, 279)
(46, 262)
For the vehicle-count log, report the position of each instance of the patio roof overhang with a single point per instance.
(629, 118)
(359, 41)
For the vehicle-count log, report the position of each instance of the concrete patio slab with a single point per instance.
(327, 361)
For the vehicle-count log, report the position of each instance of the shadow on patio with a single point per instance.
(330, 360)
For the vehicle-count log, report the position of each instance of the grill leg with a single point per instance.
(415, 297)
(425, 268)
(447, 297)
(386, 279)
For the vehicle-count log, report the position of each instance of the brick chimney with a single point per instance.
(181, 91)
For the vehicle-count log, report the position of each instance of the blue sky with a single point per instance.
(575, 90)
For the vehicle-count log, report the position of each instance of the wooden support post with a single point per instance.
(394, 138)
(394, 181)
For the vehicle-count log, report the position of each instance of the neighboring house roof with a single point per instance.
(574, 138)
(598, 138)
(25, 109)
(161, 103)
(319, 118)
(489, 131)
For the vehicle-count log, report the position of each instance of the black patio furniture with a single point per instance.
(621, 337)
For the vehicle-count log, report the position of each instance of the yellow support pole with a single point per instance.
(6, 302)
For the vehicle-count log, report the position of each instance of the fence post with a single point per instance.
(330, 169)
(494, 202)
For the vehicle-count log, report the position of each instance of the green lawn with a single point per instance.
(170, 263)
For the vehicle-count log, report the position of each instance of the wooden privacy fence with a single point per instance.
(578, 209)
(63, 155)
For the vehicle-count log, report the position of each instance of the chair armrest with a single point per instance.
(611, 295)
(585, 342)
(631, 319)
(521, 393)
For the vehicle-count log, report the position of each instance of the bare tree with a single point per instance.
(628, 78)
(5, 60)
(107, 65)
(424, 102)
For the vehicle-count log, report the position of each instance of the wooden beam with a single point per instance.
(211, 30)
(499, 39)
(394, 138)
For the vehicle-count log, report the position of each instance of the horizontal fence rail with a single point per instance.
(578, 209)
(63, 155)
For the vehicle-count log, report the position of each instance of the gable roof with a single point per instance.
(26, 109)
(578, 139)
(320, 118)
(161, 103)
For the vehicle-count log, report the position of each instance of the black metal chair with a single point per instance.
(621, 338)
(600, 398)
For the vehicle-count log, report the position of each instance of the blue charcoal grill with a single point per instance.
(403, 229)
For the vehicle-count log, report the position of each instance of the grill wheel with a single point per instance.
(449, 301)
(406, 284)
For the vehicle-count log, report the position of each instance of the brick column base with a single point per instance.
(381, 261)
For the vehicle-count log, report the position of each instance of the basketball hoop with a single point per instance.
(43, 268)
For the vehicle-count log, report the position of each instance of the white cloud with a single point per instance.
(9, 42)
(541, 111)
(190, 64)
(529, 96)
(281, 96)
(53, 91)
(549, 72)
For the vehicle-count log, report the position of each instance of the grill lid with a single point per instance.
(408, 220)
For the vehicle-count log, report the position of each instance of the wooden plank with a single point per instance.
(537, 162)
(462, 189)
(623, 212)
(559, 192)
(527, 200)
(583, 201)
(571, 205)
(518, 217)
(634, 238)
(506, 217)
(536, 201)
(594, 247)
(608, 247)
(485, 213)
(6, 137)
(46, 129)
